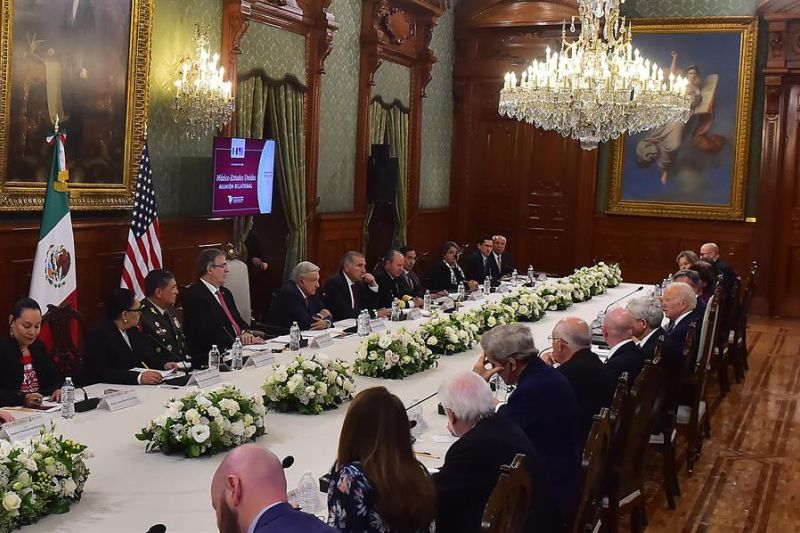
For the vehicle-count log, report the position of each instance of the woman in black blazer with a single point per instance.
(26, 370)
(116, 346)
(447, 274)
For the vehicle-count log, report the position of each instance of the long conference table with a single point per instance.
(130, 491)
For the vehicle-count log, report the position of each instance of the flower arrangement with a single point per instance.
(612, 273)
(393, 355)
(40, 476)
(592, 278)
(450, 334)
(309, 385)
(526, 304)
(555, 296)
(579, 287)
(206, 422)
(492, 314)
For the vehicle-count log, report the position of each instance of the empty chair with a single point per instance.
(507, 508)
(594, 469)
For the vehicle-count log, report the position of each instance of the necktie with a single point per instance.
(499, 266)
(227, 311)
(670, 326)
(353, 297)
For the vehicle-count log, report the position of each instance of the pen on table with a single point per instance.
(427, 454)
(145, 365)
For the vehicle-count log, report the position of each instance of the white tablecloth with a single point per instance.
(129, 491)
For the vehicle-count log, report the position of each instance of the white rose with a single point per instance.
(237, 428)
(192, 416)
(348, 386)
(491, 321)
(68, 487)
(249, 431)
(213, 412)
(11, 501)
(432, 341)
(202, 400)
(373, 355)
(280, 375)
(5, 448)
(524, 310)
(176, 405)
(161, 420)
(200, 433)
(384, 342)
(322, 389)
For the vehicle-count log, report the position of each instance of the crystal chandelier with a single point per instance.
(203, 98)
(597, 87)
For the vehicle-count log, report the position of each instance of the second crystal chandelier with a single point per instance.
(597, 87)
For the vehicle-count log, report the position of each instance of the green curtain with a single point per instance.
(398, 141)
(285, 110)
(378, 120)
(251, 104)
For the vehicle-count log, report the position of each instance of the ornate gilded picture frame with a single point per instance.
(87, 62)
(698, 169)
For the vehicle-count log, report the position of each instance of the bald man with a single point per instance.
(593, 385)
(625, 355)
(248, 494)
(710, 252)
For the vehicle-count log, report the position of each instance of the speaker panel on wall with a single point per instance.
(382, 175)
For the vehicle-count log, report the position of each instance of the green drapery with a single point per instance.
(285, 107)
(398, 141)
(378, 119)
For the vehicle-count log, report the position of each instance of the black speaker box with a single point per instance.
(382, 175)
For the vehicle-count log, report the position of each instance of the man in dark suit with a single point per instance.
(478, 263)
(209, 313)
(160, 320)
(351, 289)
(710, 252)
(502, 264)
(543, 404)
(472, 465)
(248, 493)
(409, 282)
(679, 302)
(389, 286)
(625, 355)
(297, 301)
(691, 278)
(648, 313)
(593, 386)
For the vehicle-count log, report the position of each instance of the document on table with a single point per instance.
(267, 346)
(346, 323)
(164, 373)
(444, 439)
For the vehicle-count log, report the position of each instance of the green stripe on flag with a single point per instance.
(56, 204)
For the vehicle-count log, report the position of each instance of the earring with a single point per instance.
(124, 320)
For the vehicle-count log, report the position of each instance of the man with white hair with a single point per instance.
(679, 302)
(500, 261)
(710, 252)
(648, 314)
(297, 301)
(625, 355)
(472, 464)
(543, 404)
(594, 387)
(248, 494)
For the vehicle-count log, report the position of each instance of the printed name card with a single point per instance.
(322, 341)
(260, 359)
(476, 296)
(118, 400)
(415, 313)
(377, 324)
(504, 287)
(447, 304)
(23, 428)
(205, 378)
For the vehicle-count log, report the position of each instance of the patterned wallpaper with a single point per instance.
(181, 168)
(392, 82)
(688, 8)
(338, 110)
(277, 51)
(437, 119)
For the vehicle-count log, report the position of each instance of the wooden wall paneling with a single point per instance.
(787, 253)
(338, 233)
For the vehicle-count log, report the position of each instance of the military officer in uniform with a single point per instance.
(159, 319)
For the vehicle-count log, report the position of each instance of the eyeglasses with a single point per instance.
(552, 339)
(223, 265)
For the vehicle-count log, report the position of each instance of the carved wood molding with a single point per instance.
(398, 31)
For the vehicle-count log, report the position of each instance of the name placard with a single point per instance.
(377, 324)
(322, 341)
(23, 428)
(260, 359)
(118, 400)
(504, 287)
(415, 313)
(205, 378)
(476, 295)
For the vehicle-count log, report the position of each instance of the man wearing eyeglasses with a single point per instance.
(209, 312)
(593, 385)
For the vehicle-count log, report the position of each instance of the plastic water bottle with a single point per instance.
(530, 274)
(597, 325)
(426, 301)
(499, 387)
(462, 293)
(514, 275)
(395, 310)
(68, 399)
(213, 357)
(294, 337)
(415, 414)
(362, 324)
(236, 354)
(307, 493)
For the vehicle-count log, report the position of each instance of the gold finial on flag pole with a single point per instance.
(55, 126)
(60, 183)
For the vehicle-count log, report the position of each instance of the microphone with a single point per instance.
(426, 398)
(622, 298)
(158, 528)
(287, 462)
(87, 404)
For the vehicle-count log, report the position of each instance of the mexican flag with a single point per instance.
(53, 279)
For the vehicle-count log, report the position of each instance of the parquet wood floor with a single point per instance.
(748, 478)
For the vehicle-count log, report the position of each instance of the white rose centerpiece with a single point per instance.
(309, 385)
(393, 355)
(206, 422)
(449, 334)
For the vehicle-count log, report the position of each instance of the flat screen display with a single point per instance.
(243, 176)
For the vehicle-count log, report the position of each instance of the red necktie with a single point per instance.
(235, 325)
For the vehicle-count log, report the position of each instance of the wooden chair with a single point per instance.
(732, 357)
(594, 467)
(694, 417)
(626, 480)
(718, 360)
(62, 337)
(665, 438)
(510, 501)
(737, 347)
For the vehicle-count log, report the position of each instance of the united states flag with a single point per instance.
(144, 246)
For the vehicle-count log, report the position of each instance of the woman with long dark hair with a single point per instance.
(26, 370)
(379, 486)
